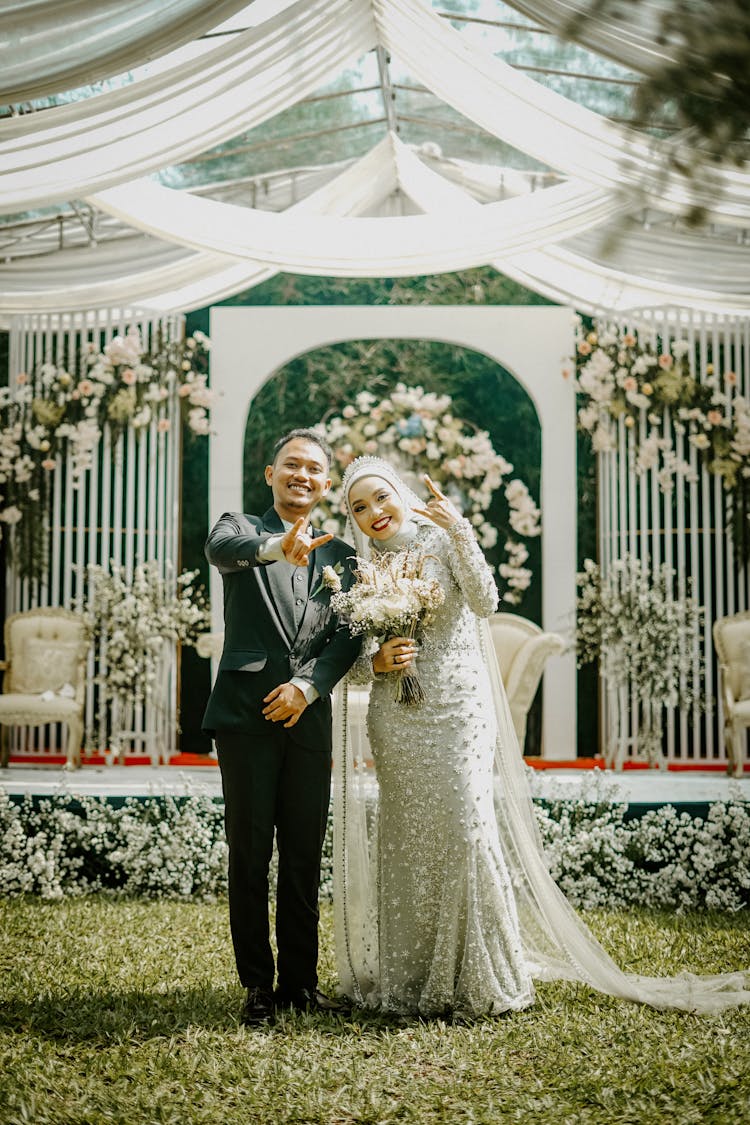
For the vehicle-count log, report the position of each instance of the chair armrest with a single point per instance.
(726, 691)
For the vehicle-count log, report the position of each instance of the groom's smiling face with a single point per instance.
(298, 478)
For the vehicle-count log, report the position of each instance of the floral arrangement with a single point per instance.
(645, 641)
(391, 597)
(60, 411)
(620, 376)
(417, 432)
(132, 620)
(175, 848)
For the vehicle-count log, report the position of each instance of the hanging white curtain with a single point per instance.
(365, 247)
(51, 45)
(547, 126)
(69, 151)
(642, 268)
(626, 33)
(572, 278)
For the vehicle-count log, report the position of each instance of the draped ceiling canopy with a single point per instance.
(175, 185)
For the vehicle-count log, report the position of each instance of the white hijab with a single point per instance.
(376, 467)
(557, 943)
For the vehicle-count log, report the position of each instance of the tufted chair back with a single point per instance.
(522, 650)
(45, 652)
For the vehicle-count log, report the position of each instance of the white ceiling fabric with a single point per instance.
(556, 272)
(141, 271)
(542, 123)
(72, 150)
(193, 250)
(397, 247)
(627, 34)
(47, 46)
(144, 273)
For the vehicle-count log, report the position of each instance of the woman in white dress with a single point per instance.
(443, 903)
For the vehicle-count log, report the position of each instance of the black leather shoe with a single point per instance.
(309, 1000)
(258, 1007)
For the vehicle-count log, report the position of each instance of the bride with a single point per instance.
(443, 903)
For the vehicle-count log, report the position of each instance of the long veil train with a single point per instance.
(557, 942)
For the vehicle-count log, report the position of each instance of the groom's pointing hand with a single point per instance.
(297, 545)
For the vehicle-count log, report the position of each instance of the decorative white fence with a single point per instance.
(686, 528)
(125, 510)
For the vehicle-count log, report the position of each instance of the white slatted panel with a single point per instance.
(125, 510)
(689, 531)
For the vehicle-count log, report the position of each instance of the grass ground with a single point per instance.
(126, 1012)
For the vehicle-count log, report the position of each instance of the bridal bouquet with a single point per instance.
(392, 597)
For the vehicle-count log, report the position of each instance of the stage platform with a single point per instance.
(643, 788)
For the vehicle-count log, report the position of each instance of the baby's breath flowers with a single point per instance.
(134, 617)
(391, 597)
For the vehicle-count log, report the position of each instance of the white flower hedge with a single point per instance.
(167, 847)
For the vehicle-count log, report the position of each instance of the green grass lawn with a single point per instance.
(126, 1011)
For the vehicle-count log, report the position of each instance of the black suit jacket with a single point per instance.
(264, 645)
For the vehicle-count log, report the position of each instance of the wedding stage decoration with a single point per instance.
(643, 638)
(132, 622)
(175, 848)
(91, 447)
(665, 401)
(418, 432)
(59, 410)
(647, 383)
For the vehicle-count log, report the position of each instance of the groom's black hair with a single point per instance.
(306, 435)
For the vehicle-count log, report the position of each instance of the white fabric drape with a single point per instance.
(51, 45)
(565, 275)
(645, 268)
(72, 150)
(547, 126)
(626, 33)
(140, 272)
(365, 247)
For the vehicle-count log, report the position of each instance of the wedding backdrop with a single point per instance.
(162, 162)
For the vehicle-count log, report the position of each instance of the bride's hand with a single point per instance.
(439, 508)
(394, 655)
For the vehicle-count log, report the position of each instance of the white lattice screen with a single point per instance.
(124, 510)
(687, 529)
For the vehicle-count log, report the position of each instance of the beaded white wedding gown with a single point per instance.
(443, 902)
(447, 923)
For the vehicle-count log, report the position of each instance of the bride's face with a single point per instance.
(377, 507)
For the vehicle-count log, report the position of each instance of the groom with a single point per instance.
(270, 714)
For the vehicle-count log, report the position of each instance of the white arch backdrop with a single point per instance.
(250, 344)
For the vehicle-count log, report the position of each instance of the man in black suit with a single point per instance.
(270, 714)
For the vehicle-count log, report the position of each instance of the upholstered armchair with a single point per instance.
(44, 675)
(732, 641)
(522, 650)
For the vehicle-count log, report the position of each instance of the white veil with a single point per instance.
(557, 943)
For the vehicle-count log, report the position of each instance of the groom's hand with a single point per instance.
(297, 545)
(284, 702)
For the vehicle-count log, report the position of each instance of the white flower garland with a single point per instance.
(171, 848)
(417, 432)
